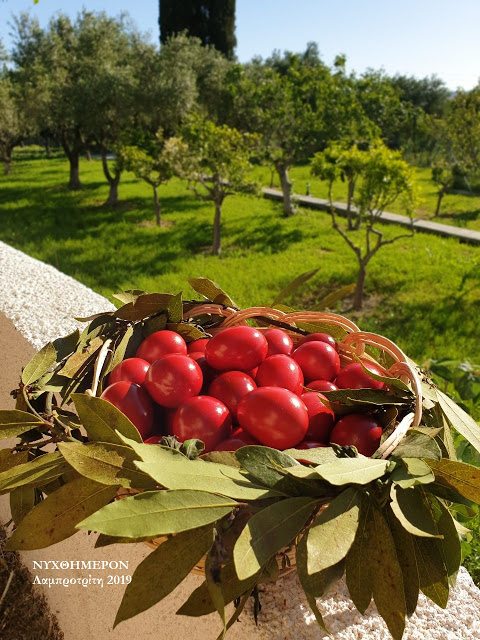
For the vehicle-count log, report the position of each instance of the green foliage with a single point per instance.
(385, 178)
(216, 162)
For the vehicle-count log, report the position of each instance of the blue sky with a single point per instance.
(414, 37)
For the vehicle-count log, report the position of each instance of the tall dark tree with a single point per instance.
(213, 21)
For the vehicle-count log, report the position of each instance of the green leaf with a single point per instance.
(267, 464)
(386, 575)
(334, 330)
(77, 362)
(457, 476)
(359, 397)
(317, 584)
(188, 331)
(268, 531)
(396, 383)
(14, 422)
(293, 286)
(177, 472)
(433, 577)
(175, 308)
(39, 364)
(120, 349)
(222, 457)
(449, 545)
(352, 470)
(213, 564)
(411, 471)
(162, 570)
(106, 463)
(155, 513)
(144, 306)
(55, 518)
(128, 296)
(34, 473)
(332, 533)
(200, 602)
(417, 445)
(9, 459)
(66, 345)
(101, 420)
(405, 547)
(412, 508)
(331, 299)
(320, 455)
(105, 541)
(22, 501)
(358, 578)
(211, 291)
(460, 420)
(156, 323)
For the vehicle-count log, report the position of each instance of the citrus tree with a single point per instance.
(385, 178)
(153, 163)
(216, 162)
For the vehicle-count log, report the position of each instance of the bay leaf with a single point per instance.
(412, 508)
(457, 476)
(405, 547)
(352, 471)
(22, 501)
(292, 286)
(319, 455)
(155, 513)
(332, 533)
(433, 576)
(268, 531)
(358, 578)
(411, 471)
(34, 473)
(106, 463)
(177, 472)
(120, 349)
(55, 518)
(163, 570)
(14, 422)
(39, 364)
(460, 420)
(102, 420)
(386, 575)
(266, 464)
(211, 291)
(9, 458)
(417, 445)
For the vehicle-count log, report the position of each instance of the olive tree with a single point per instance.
(216, 161)
(385, 178)
(12, 130)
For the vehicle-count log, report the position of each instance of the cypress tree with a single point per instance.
(213, 21)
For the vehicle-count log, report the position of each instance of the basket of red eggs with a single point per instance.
(242, 444)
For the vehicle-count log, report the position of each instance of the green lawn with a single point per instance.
(422, 292)
(458, 210)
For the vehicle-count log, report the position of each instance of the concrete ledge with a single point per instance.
(464, 235)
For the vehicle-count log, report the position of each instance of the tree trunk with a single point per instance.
(441, 193)
(158, 211)
(7, 165)
(217, 241)
(113, 180)
(288, 206)
(358, 296)
(351, 190)
(46, 140)
(74, 159)
(88, 153)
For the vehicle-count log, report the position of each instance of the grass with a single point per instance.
(422, 292)
(457, 210)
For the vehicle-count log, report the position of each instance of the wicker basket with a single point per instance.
(351, 348)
